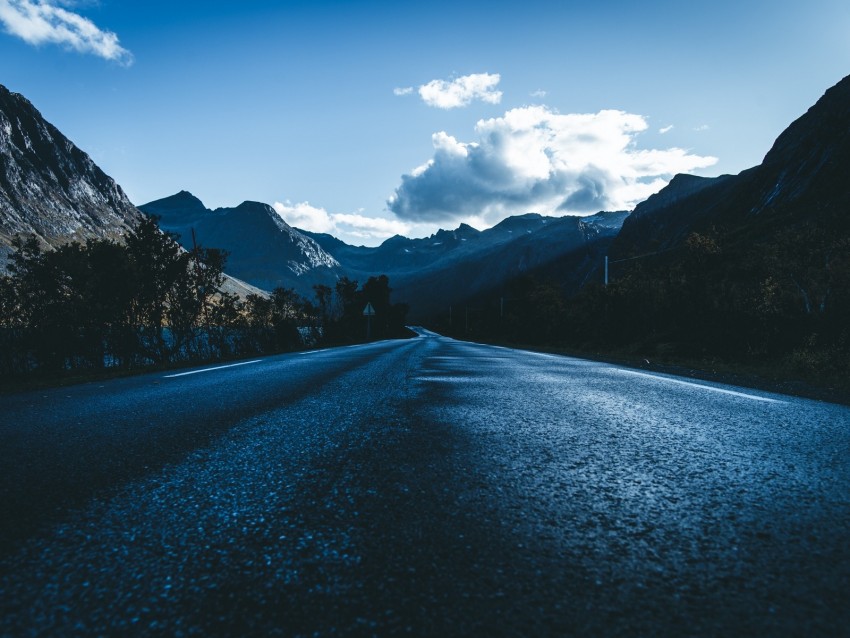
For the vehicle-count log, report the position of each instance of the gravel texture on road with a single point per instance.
(423, 487)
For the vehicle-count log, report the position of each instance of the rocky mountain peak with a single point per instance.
(49, 187)
(264, 250)
(185, 199)
(249, 206)
(466, 231)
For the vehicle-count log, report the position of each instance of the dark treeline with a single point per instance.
(146, 302)
(780, 303)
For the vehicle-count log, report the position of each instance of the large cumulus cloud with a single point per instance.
(535, 159)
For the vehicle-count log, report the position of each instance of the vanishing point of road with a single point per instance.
(422, 487)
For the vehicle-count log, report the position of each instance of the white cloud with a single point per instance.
(701, 128)
(355, 224)
(39, 22)
(461, 91)
(305, 216)
(346, 226)
(540, 93)
(666, 129)
(535, 159)
(406, 90)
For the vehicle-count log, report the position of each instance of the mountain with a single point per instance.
(264, 250)
(528, 244)
(49, 187)
(452, 266)
(803, 178)
(750, 269)
(430, 273)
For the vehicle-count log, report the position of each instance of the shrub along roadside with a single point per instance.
(103, 308)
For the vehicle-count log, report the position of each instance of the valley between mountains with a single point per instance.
(216, 424)
(748, 270)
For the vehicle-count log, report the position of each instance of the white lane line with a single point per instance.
(697, 385)
(232, 365)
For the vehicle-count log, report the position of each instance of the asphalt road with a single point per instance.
(425, 487)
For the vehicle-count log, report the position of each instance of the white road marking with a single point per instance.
(232, 365)
(697, 385)
(304, 353)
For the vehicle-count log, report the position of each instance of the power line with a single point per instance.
(619, 261)
(657, 252)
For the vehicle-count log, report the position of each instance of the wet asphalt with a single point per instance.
(422, 487)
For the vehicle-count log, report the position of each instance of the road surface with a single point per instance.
(422, 487)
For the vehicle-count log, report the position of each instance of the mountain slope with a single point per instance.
(428, 273)
(802, 178)
(49, 187)
(452, 266)
(264, 250)
(749, 269)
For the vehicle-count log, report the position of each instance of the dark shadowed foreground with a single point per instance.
(428, 487)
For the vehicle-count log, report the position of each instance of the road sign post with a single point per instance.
(369, 312)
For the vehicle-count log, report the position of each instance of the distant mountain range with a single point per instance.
(51, 188)
(430, 273)
(451, 266)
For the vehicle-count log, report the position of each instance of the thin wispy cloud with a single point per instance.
(535, 159)
(701, 128)
(461, 91)
(539, 93)
(353, 225)
(41, 22)
(405, 90)
(666, 129)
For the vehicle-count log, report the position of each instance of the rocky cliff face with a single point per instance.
(49, 187)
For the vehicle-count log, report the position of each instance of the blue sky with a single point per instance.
(369, 118)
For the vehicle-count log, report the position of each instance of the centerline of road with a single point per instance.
(231, 365)
(696, 385)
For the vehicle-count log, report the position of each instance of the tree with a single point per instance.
(324, 295)
(160, 270)
(274, 320)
